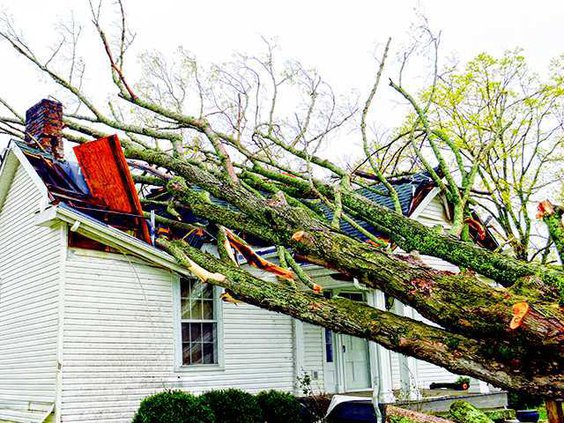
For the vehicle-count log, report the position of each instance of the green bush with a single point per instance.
(464, 412)
(233, 406)
(399, 419)
(280, 407)
(173, 407)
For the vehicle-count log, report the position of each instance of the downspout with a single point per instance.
(375, 396)
(299, 353)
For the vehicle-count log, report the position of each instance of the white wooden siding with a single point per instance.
(30, 258)
(314, 355)
(432, 215)
(119, 341)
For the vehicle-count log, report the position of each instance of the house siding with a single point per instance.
(30, 258)
(432, 215)
(314, 355)
(119, 336)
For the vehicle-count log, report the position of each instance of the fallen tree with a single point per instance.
(258, 174)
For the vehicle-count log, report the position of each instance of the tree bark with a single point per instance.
(553, 217)
(452, 351)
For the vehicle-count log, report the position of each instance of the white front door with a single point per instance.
(347, 359)
(356, 363)
(355, 357)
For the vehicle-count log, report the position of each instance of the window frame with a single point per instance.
(177, 325)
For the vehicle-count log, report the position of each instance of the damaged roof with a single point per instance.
(411, 191)
(99, 184)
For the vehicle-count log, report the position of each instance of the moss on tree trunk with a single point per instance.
(452, 351)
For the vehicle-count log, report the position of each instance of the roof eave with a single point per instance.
(108, 235)
(14, 157)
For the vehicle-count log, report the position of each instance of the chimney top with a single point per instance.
(44, 126)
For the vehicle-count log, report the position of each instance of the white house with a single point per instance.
(93, 319)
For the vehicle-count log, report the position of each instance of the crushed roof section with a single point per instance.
(408, 188)
(67, 185)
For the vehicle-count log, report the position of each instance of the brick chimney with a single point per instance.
(44, 125)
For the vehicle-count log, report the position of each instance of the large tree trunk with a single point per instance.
(411, 235)
(452, 351)
(460, 302)
(553, 217)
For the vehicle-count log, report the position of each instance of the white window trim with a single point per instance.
(177, 327)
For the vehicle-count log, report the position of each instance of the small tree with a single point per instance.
(500, 116)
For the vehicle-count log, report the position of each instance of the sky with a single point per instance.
(336, 37)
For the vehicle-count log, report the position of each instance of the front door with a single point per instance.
(355, 356)
(356, 363)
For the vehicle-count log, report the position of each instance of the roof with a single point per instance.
(108, 235)
(411, 190)
(100, 186)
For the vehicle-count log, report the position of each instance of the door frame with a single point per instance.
(338, 355)
(342, 366)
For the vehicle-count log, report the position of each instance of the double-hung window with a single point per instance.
(199, 323)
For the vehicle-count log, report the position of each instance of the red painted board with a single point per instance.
(108, 177)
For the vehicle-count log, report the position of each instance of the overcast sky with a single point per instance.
(339, 38)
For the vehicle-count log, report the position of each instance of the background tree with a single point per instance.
(499, 125)
(251, 133)
(495, 130)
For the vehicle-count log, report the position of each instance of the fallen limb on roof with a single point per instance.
(254, 259)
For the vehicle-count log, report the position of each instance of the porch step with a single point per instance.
(441, 404)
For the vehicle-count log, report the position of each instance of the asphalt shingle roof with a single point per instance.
(406, 189)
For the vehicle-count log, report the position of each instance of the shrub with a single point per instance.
(173, 407)
(233, 406)
(464, 412)
(399, 419)
(280, 407)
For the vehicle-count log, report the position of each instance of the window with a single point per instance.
(328, 336)
(328, 345)
(198, 317)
